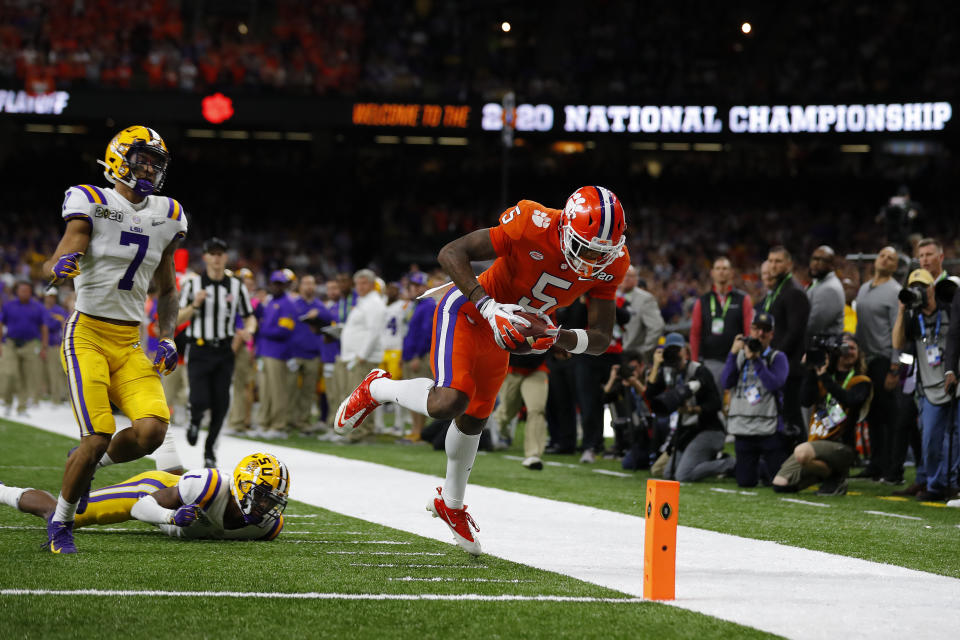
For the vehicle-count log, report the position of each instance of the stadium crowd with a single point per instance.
(800, 367)
(353, 47)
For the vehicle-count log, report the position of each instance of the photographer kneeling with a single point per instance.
(686, 392)
(837, 387)
(623, 394)
(755, 373)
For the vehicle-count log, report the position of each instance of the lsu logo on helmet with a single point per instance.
(261, 484)
(138, 158)
(592, 228)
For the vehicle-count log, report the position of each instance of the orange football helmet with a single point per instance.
(592, 228)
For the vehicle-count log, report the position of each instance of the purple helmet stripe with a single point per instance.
(606, 207)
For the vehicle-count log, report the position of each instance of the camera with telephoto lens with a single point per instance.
(914, 296)
(754, 345)
(824, 346)
(626, 371)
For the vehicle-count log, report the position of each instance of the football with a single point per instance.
(538, 327)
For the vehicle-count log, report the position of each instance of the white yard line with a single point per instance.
(806, 502)
(893, 515)
(439, 579)
(607, 472)
(302, 541)
(393, 565)
(384, 553)
(310, 595)
(790, 591)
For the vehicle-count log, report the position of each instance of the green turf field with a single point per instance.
(364, 570)
(838, 525)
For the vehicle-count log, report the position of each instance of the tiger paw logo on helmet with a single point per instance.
(574, 204)
(540, 219)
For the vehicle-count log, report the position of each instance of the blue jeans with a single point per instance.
(936, 433)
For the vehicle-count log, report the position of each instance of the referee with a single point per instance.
(212, 302)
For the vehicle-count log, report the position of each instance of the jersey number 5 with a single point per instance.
(142, 241)
(538, 293)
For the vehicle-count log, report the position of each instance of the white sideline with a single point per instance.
(310, 595)
(790, 591)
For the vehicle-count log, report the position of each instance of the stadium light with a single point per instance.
(505, 27)
(746, 28)
(242, 28)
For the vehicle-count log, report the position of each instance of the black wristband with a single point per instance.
(473, 291)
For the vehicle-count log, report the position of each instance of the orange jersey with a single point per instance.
(530, 269)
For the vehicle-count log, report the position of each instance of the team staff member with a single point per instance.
(360, 345)
(416, 344)
(24, 346)
(56, 382)
(238, 420)
(305, 352)
(211, 302)
(643, 329)
(273, 341)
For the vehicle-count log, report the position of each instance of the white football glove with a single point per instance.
(503, 321)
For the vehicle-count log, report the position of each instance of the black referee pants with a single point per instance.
(210, 372)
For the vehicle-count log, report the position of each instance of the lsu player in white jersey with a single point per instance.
(116, 241)
(208, 503)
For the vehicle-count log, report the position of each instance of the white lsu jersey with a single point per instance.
(396, 328)
(126, 243)
(209, 489)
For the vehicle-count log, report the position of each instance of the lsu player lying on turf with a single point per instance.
(543, 259)
(208, 503)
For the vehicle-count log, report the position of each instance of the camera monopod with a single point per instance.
(951, 432)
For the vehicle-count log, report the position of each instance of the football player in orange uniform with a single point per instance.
(544, 258)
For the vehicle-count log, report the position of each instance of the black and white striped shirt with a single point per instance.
(216, 319)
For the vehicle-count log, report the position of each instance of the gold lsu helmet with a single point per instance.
(261, 484)
(132, 154)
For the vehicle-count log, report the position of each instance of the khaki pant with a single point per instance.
(355, 376)
(530, 390)
(303, 392)
(836, 455)
(21, 370)
(54, 376)
(329, 389)
(175, 387)
(242, 401)
(275, 395)
(338, 387)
